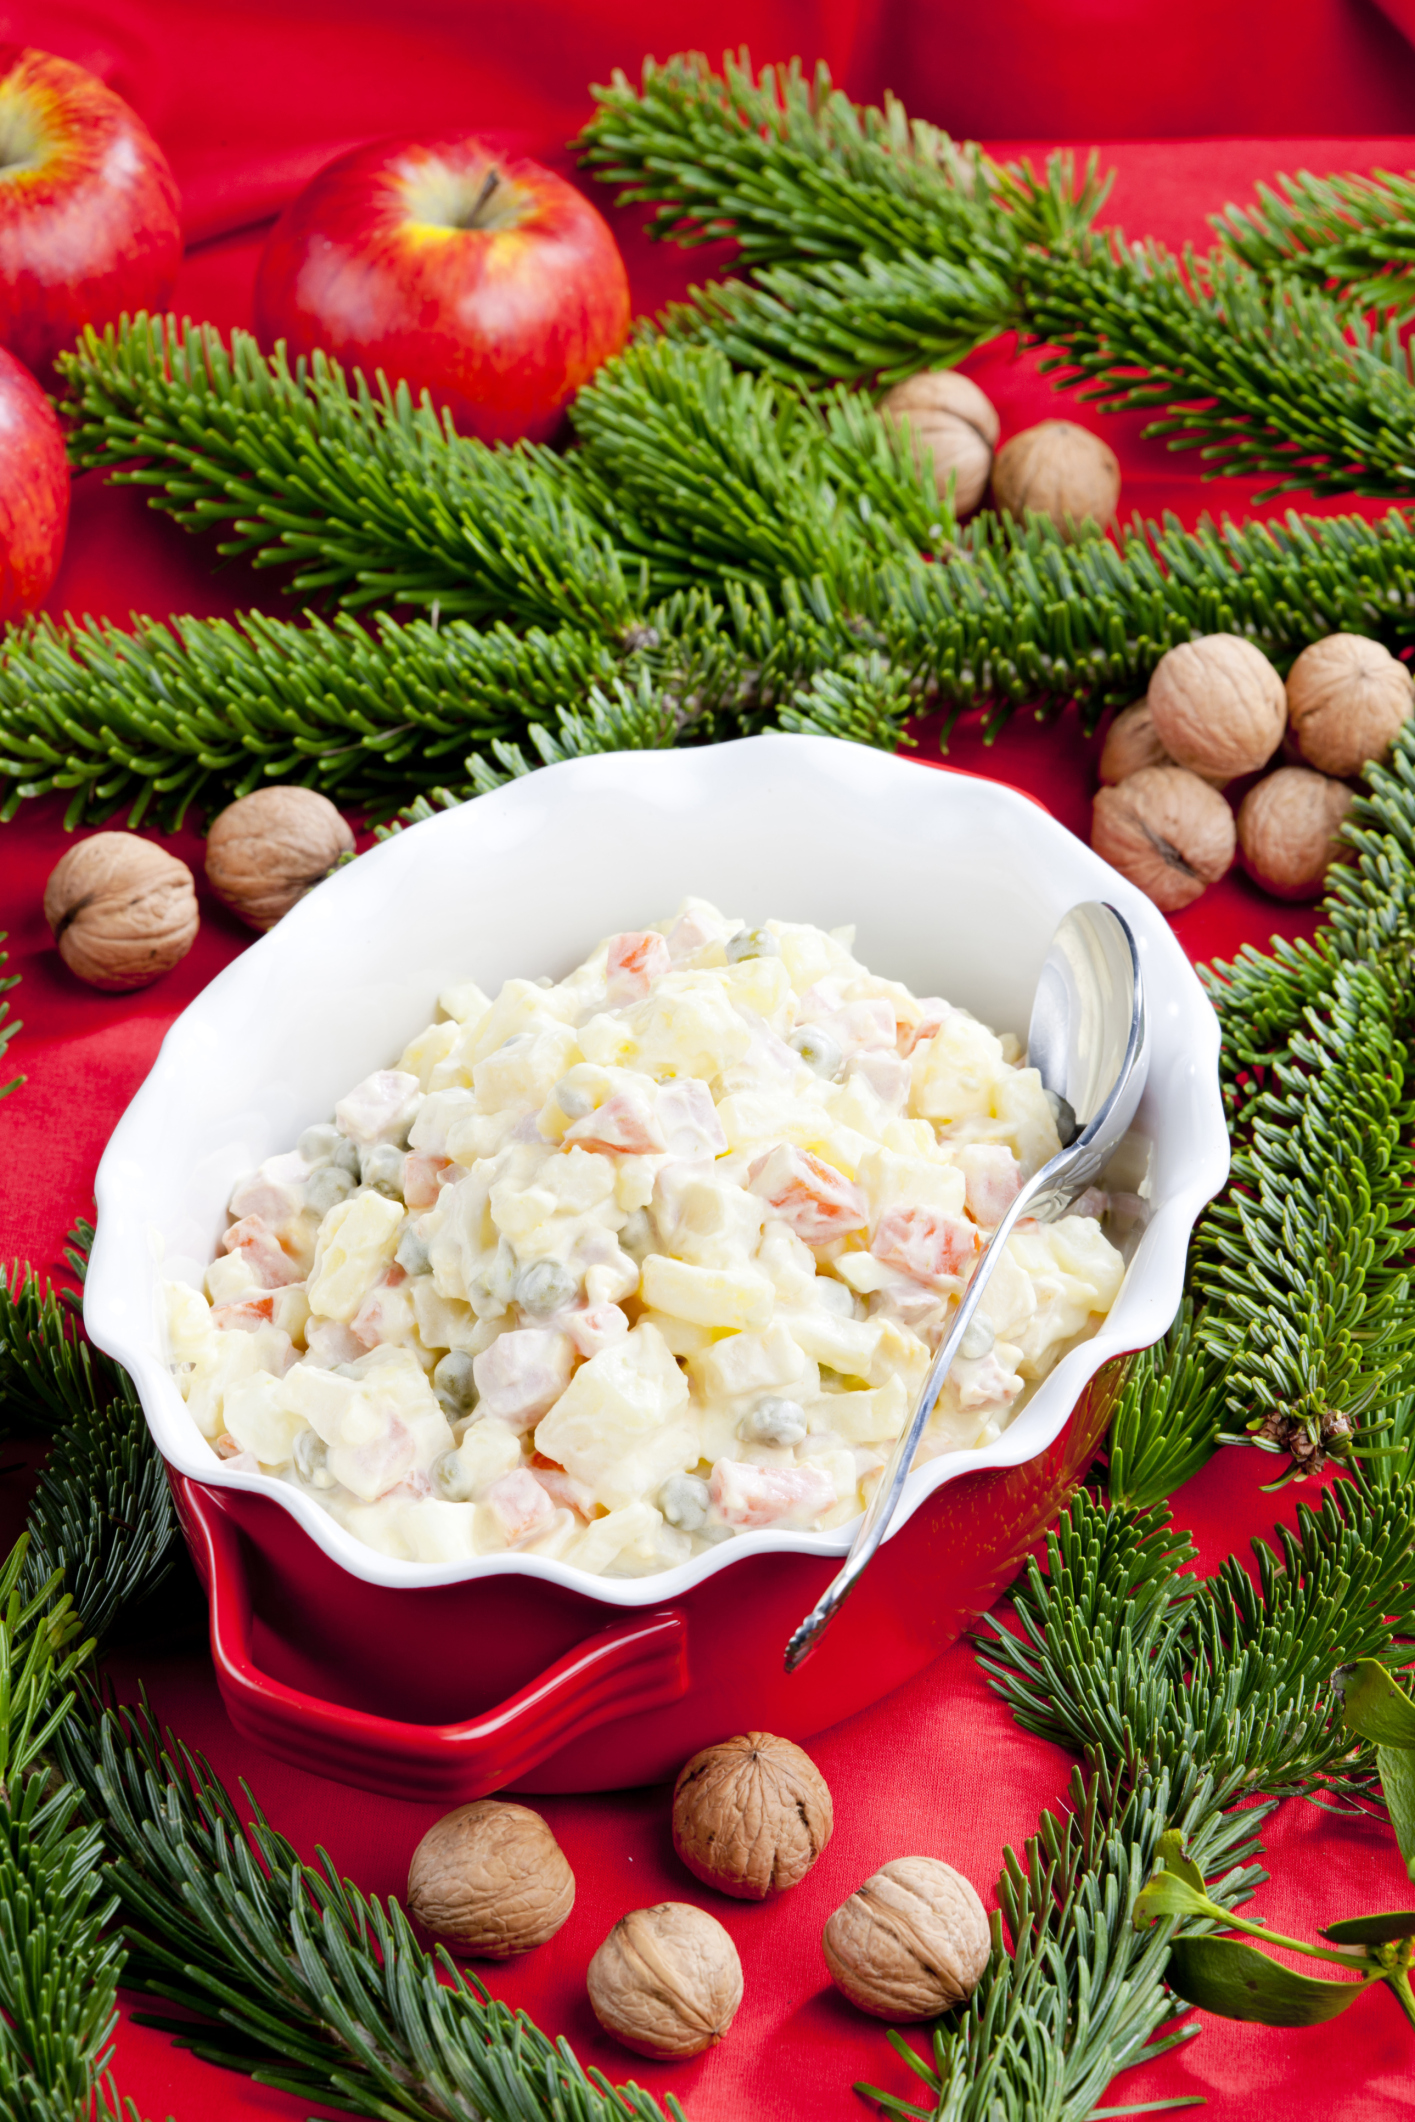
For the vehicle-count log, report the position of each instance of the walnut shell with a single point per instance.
(911, 1942)
(491, 1879)
(1287, 826)
(123, 911)
(1167, 831)
(265, 850)
(751, 1816)
(956, 423)
(1060, 470)
(1347, 696)
(1131, 743)
(1218, 706)
(666, 1981)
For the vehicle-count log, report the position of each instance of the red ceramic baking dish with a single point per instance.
(447, 1682)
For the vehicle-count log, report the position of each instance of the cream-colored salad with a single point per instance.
(616, 1267)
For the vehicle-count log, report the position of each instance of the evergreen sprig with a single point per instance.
(155, 721)
(1352, 234)
(914, 251)
(8, 1025)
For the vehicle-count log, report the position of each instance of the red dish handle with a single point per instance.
(638, 1665)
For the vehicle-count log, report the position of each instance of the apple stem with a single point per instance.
(489, 184)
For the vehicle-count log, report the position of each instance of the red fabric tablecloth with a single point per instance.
(248, 102)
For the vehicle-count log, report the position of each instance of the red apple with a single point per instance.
(481, 278)
(88, 208)
(34, 491)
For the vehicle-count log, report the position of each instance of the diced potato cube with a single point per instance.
(522, 1374)
(622, 1425)
(959, 1071)
(379, 1108)
(522, 1072)
(875, 1417)
(488, 1450)
(846, 1345)
(189, 1322)
(434, 1530)
(226, 1360)
(230, 1278)
(445, 1322)
(579, 1180)
(356, 1242)
(748, 1363)
(258, 1421)
(464, 1002)
(421, 1055)
(703, 1218)
(604, 1541)
(682, 1337)
(521, 1006)
(739, 1297)
(894, 1181)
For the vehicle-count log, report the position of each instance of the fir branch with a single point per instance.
(1261, 377)
(1081, 1997)
(8, 1025)
(1122, 1655)
(58, 1961)
(623, 717)
(367, 496)
(1308, 1253)
(1166, 1420)
(787, 167)
(1352, 234)
(162, 719)
(302, 1981)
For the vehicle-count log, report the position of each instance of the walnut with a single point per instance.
(1287, 827)
(1218, 705)
(491, 1879)
(1347, 696)
(958, 426)
(122, 910)
(666, 1981)
(911, 1942)
(1060, 470)
(265, 850)
(1131, 743)
(751, 1816)
(1167, 831)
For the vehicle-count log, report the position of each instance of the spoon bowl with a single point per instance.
(1088, 1041)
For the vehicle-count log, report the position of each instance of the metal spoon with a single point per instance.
(1087, 1040)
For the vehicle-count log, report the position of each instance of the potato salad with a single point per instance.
(616, 1267)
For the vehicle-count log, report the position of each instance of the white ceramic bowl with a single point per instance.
(956, 885)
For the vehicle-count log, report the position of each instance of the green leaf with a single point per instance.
(1238, 1982)
(1174, 1860)
(1372, 1930)
(1170, 1895)
(1396, 1768)
(1376, 1708)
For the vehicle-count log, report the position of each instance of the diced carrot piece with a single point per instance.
(420, 1179)
(749, 1496)
(625, 1126)
(262, 1250)
(635, 959)
(818, 1201)
(926, 1244)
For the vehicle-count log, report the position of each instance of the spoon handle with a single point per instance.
(880, 1511)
